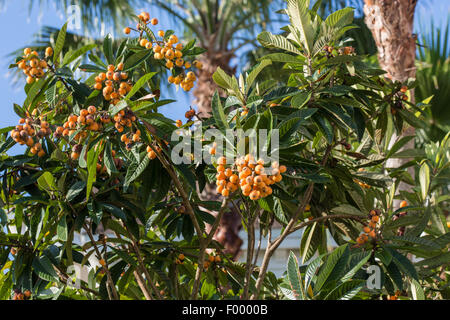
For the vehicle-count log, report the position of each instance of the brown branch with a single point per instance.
(272, 246)
(111, 286)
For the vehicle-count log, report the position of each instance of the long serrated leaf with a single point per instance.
(59, 43)
(294, 277)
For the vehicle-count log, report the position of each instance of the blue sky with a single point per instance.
(18, 25)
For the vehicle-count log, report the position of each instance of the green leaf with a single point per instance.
(340, 18)
(417, 291)
(309, 242)
(328, 266)
(222, 79)
(107, 49)
(324, 126)
(414, 240)
(44, 269)
(294, 277)
(59, 43)
(118, 213)
(284, 57)
(355, 269)
(135, 170)
(424, 178)
(218, 113)
(348, 209)
(34, 91)
(47, 182)
(346, 290)
(75, 190)
(109, 160)
(301, 23)
(300, 99)
(311, 270)
(404, 264)
(400, 143)
(74, 54)
(139, 84)
(92, 158)
(254, 73)
(62, 229)
(126, 257)
(136, 59)
(270, 40)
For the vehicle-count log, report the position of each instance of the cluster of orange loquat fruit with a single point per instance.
(370, 229)
(169, 49)
(180, 259)
(210, 260)
(251, 176)
(34, 67)
(19, 295)
(113, 84)
(332, 51)
(151, 151)
(29, 131)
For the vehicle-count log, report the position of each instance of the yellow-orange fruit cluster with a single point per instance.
(395, 296)
(151, 153)
(131, 137)
(189, 114)
(29, 131)
(168, 49)
(210, 259)
(88, 120)
(179, 123)
(226, 180)
(32, 65)
(252, 177)
(124, 118)
(180, 259)
(113, 84)
(370, 229)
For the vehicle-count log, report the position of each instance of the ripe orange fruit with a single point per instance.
(403, 204)
(48, 52)
(102, 262)
(127, 30)
(222, 161)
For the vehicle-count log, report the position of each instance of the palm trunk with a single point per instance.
(391, 23)
(227, 233)
(206, 85)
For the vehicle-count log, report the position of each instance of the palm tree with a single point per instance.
(391, 23)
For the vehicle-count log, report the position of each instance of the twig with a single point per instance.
(272, 246)
(113, 293)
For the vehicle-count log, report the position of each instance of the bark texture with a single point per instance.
(391, 23)
(206, 85)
